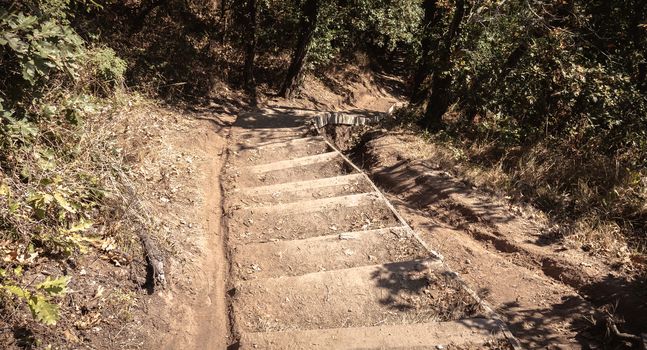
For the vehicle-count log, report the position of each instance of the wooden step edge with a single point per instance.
(314, 205)
(279, 144)
(347, 235)
(428, 264)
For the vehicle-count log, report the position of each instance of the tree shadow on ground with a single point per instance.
(425, 185)
(425, 294)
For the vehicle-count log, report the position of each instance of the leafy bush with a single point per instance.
(38, 46)
(40, 299)
(107, 68)
(50, 189)
(560, 81)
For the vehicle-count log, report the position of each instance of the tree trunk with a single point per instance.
(250, 51)
(441, 82)
(223, 20)
(145, 10)
(418, 93)
(310, 12)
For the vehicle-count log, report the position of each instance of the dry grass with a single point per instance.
(130, 147)
(588, 203)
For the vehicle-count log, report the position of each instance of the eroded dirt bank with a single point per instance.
(551, 295)
(195, 307)
(176, 156)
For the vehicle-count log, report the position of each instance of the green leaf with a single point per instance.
(4, 190)
(81, 226)
(17, 291)
(42, 310)
(63, 202)
(55, 287)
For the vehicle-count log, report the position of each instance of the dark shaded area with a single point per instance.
(405, 281)
(531, 326)
(399, 279)
(25, 337)
(628, 298)
(149, 282)
(433, 186)
(431, 293)
(170, 46)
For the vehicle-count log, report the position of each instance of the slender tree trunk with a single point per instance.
(418, 93)
(310, 12)
(637, 36)
(145, 10)
(250, 51)
(223, 20)
(441, 82)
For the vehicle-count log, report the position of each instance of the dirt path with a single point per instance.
(319, 260)
(191, 312)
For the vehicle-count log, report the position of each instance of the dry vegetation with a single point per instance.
(541, 182)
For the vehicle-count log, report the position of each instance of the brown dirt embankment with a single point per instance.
(546, 289)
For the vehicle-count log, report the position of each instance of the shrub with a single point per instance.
(50, 188)
(106, 69)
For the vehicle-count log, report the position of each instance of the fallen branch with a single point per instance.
(154, 256)
(155, 259)
(634, 339)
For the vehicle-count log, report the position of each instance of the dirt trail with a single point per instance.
(319, 259)
(191, 312)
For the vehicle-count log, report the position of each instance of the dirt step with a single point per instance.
(290, 163)
(304, 222)
(316, 205)
(247, 138)
(282, 150)
(279, 144)
(473, 333)
(240, 178)
(339, 251)
(302, 190)
(397, 293)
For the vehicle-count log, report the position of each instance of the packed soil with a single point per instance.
(177, 164)
(191, 311)
(316, 254)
